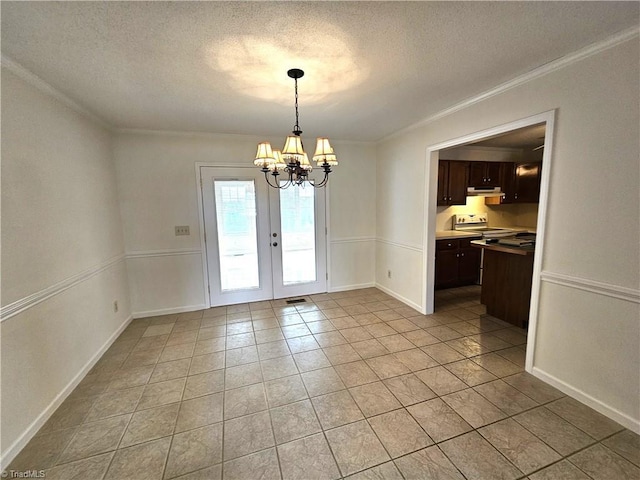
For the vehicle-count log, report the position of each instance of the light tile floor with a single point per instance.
(347, 384)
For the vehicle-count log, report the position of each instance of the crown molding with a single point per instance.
(37, 82)
(542, 70)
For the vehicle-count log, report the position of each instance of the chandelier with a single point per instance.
(292, 161)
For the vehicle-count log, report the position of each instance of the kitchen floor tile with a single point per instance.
(559, 434)
(409, 389)
(429, 463)
(399, 433)
(194, 450)
(336, 409)
(477, 459)
(248, 434)
(520, 446)
(583, 417)
(473, 408)
(199, 412)
(374, 398)
(439, 420)
(356, 447)
(600, 463)
(145, 460)
(626, 444)
(293, 421)
(263, 465)
(307, 457)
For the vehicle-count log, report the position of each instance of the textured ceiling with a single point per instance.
(372, 68)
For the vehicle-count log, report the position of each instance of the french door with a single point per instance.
(261, 243)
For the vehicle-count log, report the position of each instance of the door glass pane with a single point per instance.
(237, 234)
(298, 235)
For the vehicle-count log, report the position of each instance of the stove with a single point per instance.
(477, 223)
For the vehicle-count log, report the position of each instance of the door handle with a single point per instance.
(275, 244)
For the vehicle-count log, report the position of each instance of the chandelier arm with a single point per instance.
(266, 177)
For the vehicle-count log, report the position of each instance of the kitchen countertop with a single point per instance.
(452, 234)
(497, 247)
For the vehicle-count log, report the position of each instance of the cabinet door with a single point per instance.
(469, 265)
(443, 182)
(477, 172)
(528, 183)
(492, 174)
(446, 268)
(507, 181)
(458, 181)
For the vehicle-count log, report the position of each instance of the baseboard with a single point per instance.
(10, 453)
(169, 311)
(355, 286)
(614, 414)
(397, 296)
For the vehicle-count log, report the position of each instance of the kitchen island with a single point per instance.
(506, 281)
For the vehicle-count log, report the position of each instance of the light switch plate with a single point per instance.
(182, 230)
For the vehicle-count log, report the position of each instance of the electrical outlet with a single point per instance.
(115, 306)
(182, 230)
(388, 273)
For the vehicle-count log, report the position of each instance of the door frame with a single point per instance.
(430, 209)
(206, 285)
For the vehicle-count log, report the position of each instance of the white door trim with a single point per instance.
(429, 234)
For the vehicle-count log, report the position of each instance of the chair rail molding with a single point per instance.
(29, 301)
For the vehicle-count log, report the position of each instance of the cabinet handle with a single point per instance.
(488, 179)
(515, 196)
(457, 255)
(444, 198)
(462, 254)
(449, 198)
(448, 244)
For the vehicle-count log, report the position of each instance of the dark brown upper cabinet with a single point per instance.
(527, 182)
(453, 179)
(484, 174)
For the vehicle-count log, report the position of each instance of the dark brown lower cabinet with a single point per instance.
(506, 285)
(457, 263)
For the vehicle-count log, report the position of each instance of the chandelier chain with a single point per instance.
(296, 128)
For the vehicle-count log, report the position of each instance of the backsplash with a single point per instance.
(514, 215)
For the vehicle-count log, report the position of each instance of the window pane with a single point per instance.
(237, 234)
(298, 235)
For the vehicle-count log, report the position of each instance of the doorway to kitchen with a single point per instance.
(431, 204)
(261, 243)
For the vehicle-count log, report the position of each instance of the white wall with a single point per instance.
(592, 234)
(157, 191)
(62, 255)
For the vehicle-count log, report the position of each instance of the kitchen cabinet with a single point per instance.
(520, 183)
(452, 182)
(507, 275)
(484, 174)
(527, 183)
(457, 263)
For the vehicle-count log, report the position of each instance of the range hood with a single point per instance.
(484, 192)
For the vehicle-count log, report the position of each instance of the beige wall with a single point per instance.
(62, 254)
(592, 225)
(157, 185)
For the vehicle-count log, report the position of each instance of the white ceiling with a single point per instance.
(372, 68)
